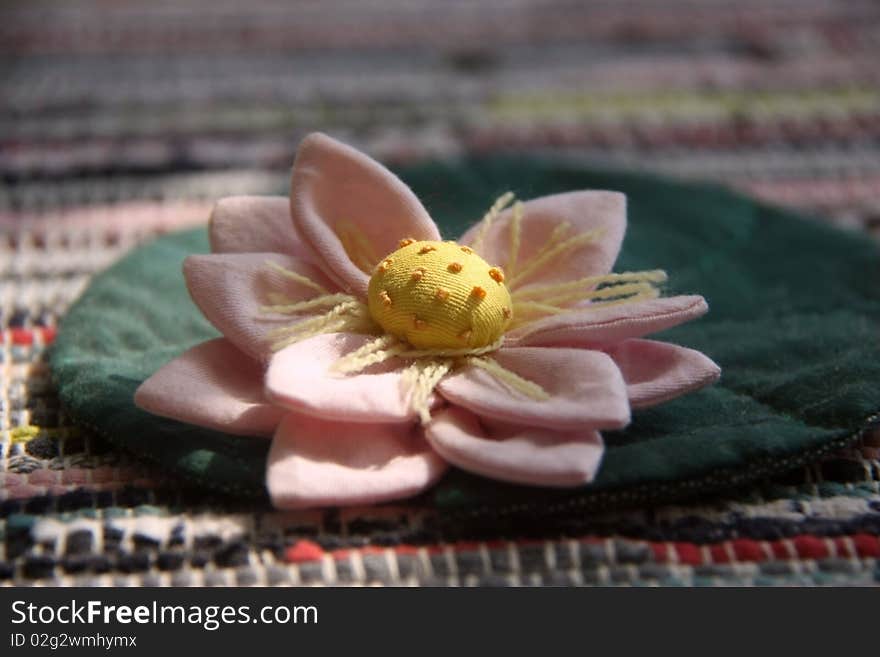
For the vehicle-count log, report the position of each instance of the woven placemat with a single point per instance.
(119, 122)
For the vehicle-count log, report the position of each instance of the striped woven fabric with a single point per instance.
(121, 121)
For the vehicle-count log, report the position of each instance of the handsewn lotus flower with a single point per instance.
(375, 354)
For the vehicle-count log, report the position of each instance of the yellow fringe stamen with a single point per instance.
(317, 302)
(296, 276)
(420, 379)
(515, 237)
(528, 310)
(542, 308)
(651, 293)
(559, 233)
(375, 351)
(549, 253)
(387, 347)
(649, 276)
(452, 353)
(357, 257)
(511, 379)
(427, 369)
(347, 316)
(357, 246)
(610, 292)
(529, 315)
(488, 219)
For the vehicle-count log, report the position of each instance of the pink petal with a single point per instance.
(255, 224)
(521, 454)
(300, 379)
(212, 385)
(335, 186)
(316, 462)
(605, 324)
(656, 372)
(585, 388)
(585, 211)
(231, 288)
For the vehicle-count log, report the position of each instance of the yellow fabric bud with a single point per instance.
(433, 300)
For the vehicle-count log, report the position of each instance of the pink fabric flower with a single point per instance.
(358, 437)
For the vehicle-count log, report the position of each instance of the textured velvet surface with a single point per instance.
(793, 323)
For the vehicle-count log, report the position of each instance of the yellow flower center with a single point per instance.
(439, 295)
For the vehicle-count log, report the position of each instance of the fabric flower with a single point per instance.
(375, 354)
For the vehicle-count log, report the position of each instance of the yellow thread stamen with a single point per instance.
(427, 249)
(387, 346)
(441, 294)
(452, 353)
(346, 242)
(278, 298)
(422, 378)
(384, 265)
(419, 324)
(532, 303)
(612, 291)
(353, 324)
(651, 293)
(539, 261)
(417, 274)
(526, 315)
(349, 315)
(529, 311)
(376, 351)
(515, 235)
(503, 201)
(465, 336)
(467, 249)
(406, 241)
(336, 311)
(357, 245)
(296, 276)
(346, 313)
(524, 306)
(557, 235)
(354, 248)
(511, 379)
(316, 302)
(479, 292)
(507, 312)
(386, 299)
(628, 289)
(649, 276)
(454, 267)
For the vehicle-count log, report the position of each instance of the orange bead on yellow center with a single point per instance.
(439, 295)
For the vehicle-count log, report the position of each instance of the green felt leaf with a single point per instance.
(793, 322)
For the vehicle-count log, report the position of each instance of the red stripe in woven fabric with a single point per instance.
(746, 550)
(811, 547)
(304, 551)
(867, 545)
(25, 337)
(780, 550)
(692, 554)
(689, 554)
(720, 553)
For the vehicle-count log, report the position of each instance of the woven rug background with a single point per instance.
(122, 120)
